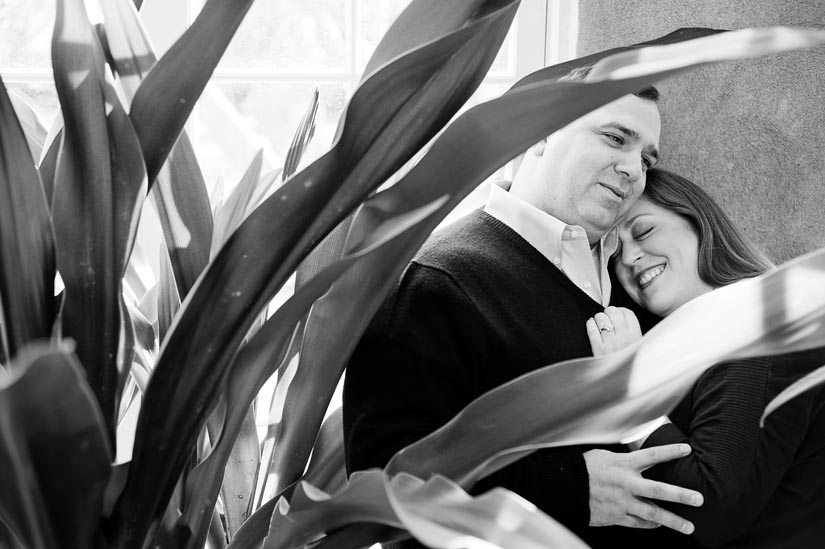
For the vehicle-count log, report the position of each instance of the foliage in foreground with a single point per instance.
(192, 352)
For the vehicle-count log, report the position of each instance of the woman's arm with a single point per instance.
(734, 463)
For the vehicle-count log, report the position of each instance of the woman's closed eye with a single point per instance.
(640, 232)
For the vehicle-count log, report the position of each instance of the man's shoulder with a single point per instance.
(476, 240)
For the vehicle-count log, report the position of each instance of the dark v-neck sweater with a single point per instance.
(477, 307)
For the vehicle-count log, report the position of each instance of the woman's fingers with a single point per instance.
(595, 337)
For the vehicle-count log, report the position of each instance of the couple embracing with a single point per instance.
(588, 246)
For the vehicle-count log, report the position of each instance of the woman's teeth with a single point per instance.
(646, 277)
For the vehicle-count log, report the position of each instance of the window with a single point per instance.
(264, 81)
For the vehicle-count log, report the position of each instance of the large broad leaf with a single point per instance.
(167, 95)
(437, 512)
(27, 263)
(779, 312)
(425, 86)
(179, 191)
(54, 456)
(806, 383)
(99, 187)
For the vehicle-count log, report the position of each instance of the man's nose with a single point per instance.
(629, 165)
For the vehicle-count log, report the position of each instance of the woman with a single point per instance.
(762, 487)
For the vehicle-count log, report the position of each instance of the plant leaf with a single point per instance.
(168, 94)
(179, 191)
(27, 262)
(806, 383)
(168, 299)
(32, 126)
(302, 137)
(267, 247)
(100, 183)
(437, 512)
(312, 512)
(325, 471)
(440, 514)
(238, 486)
(234, 209)
(778, 312)
(55, 456)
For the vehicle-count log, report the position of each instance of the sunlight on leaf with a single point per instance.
(808, 382)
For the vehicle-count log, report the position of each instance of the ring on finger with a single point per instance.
(606, 328)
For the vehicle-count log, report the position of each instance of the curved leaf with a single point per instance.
(440, 514)
(437, 512)
(231, 212)
(99, 186)
(325, 471)
(310, 513)
(266, 248)
(165, 99)
(27, 263)
(179, 191)
(55, 456)
(303, 136)
(778, 312)
(32, 126)
(806, 383)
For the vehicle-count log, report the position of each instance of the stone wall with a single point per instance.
(750, 132)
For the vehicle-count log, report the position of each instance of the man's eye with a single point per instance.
(642, 232)
(646, 163)
(615, 138)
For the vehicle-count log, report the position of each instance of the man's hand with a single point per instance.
(619, 494)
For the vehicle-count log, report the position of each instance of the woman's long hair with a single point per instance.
(725, 254)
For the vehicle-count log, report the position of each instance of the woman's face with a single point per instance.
(658, 262)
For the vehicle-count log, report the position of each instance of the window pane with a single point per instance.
(26, 33)
(303, 35)
(237, 119)
(374, 18)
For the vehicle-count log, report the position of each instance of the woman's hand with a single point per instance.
(614, 329)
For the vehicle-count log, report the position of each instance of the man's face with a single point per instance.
(593, 170)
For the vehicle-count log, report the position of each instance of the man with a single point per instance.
(507, 290)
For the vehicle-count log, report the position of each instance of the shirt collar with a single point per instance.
(542, 230)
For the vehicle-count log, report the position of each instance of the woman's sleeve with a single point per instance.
(734, 463)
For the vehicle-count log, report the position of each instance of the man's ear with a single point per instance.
(534, 150)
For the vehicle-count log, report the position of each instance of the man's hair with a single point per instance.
(580, 73)
(725, 254)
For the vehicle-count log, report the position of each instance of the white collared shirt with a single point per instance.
(566, 246)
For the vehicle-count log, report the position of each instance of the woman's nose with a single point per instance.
(631, 253)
